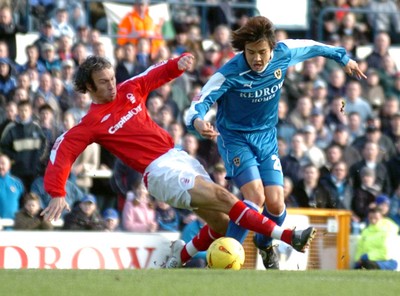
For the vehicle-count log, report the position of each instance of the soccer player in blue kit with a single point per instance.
(247, 90)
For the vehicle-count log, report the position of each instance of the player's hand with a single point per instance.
(55, 208)
(205, 129)
(352, 69)
(186, 62)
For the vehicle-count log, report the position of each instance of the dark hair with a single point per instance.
(83, 75)
(256, 29)
(31, 196)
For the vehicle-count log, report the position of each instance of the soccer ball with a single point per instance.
(225, 253)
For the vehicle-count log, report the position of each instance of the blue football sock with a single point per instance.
(238, 232)
(263, 241)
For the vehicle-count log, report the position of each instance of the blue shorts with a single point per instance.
(249, 152)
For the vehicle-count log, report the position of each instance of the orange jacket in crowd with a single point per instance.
(132, 27)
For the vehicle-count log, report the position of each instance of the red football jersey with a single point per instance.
(122, 126)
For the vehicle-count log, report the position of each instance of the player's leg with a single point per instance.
(242, 166)
(274, 209)
(217, 223)
(207, 195)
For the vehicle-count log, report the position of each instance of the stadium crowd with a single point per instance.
(339, 138)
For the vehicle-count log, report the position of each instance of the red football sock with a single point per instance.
(252, 220)
(200, 242)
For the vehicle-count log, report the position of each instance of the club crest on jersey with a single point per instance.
(236, 161)
(278, 74)
(131, 98)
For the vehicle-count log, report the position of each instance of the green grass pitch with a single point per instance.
(197, 282)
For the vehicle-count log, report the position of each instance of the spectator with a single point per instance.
(356, 127)
(42, 10)
(309, 193)
(64, 47)
(374, 246)
(79, 53)
(139, 24)
(290, 199)
(297, 157)
(334, 154)
(143, 54)
(222, 37)
(337, 184)
(154, 104)
(84, 216)
(336, 83)
(50, 58)
(394, 211)
(335, 115)
(355, 102)
(384, 16)
(349, 26)
(370, 159)
(313, 152)
(393, 165)
(381, 47)
(190, 144)
(8, 82)
(24, 81)
(373, 91)
(322, 132)
(28, 218)
(111, 219)
(285, 129)
(8, 31)
(67, 76)
(24, 143)
(138, 214)
(45, 90)
(49, 125)
(390, 115)
(166, 117)
(374, 134)
(81, 106)
(387, 74)
(33, 61)
(11, 113)
(218, 175)
(11, 189)
(167, 217)
(176, 130)
(364, 196)
(63, 97)
(61, 24)
(129, 66)
(320, 94)
(46, 36)
(300, 116)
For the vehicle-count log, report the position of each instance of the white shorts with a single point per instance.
(169, 177)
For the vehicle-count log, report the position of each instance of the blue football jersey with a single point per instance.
(248, 100)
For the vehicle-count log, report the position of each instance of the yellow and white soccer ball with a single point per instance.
(225, 253)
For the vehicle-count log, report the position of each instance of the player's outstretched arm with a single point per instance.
(205, 129)
(352, 68)
(55, 208)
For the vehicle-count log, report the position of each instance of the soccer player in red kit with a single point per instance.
(118, 121)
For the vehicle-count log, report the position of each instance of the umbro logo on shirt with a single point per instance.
(105, 118)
